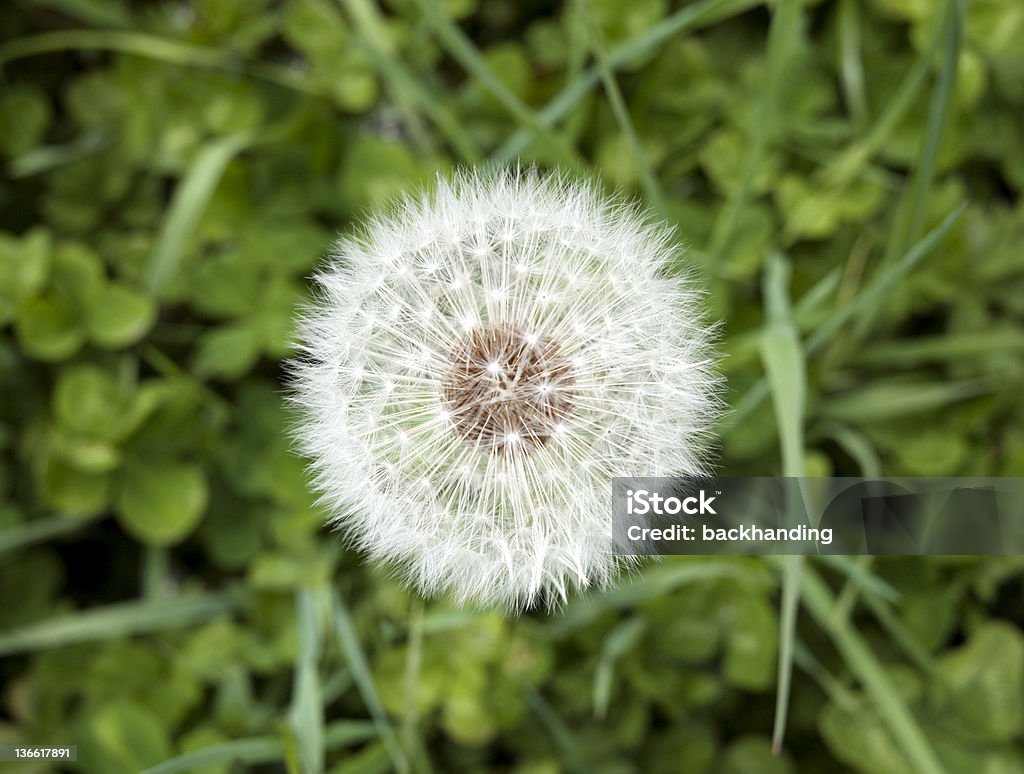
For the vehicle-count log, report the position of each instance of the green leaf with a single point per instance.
(24, 115)
(227, 352)
(226, 286)
(48, 329)
(987, 678)
(24, 266)
(78, 275)
(88, 400)
(275, 318)
(120, 316)
(124, 736)
(753, 755)
(84, 453)
(160, 502)
(859, 737)
(750, 653)
(70, 491)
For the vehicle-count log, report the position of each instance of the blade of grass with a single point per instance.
(745, 347)
(689, 18)
(155, 572)
(413, 665)
(648, 179)
(348, 640)
(113, 621)
(857, 446)
(859, 581)
(872, 293)
(462, 49)
(48, 157)
(908, 222)
(862, 575)
(619, 641)
(38, 531)
(909, 227)
(249, 751)
(836, 691)
(783, 358)
(877, 402)
(783, 40)
(573, 757)
(851, 67)
(955, 346)
(257, 750)
(849, 593)
(306, 713)
(190, 200)
(155, 47)
(851, 162)
(108, 14)
(657, 581)
(903, 637)
(820, 602)
(411, 94)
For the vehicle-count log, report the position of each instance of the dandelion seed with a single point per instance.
(543, 348)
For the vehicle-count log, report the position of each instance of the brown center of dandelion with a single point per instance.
(507, 390)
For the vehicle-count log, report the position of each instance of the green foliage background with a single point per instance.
(847, 175)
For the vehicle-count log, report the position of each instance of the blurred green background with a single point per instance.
(847, 176)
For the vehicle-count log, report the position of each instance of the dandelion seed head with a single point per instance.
(479, 362)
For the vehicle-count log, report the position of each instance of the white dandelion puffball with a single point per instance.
(478, 364)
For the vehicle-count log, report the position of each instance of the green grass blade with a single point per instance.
(691, 17)
(658, 581)
(249, 751)
(345, 631)
(572, 753)
(746, 347)
(462, 49)
(862, 576)
(114, 621)
(851, 67)
(155, 47)
(413, 666)
(951, 347)
(257, 750)
(870, 296)
(38, 531)
(648, 178)
(820, 602)
(783, 358)
(49, 157)
(784, 35)
(101, 13)
(619, 642)
(306, 713)
(938, 115)
(411, 94)
(857, 446)
(878, 402)
(190, 200)
(851, 162)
